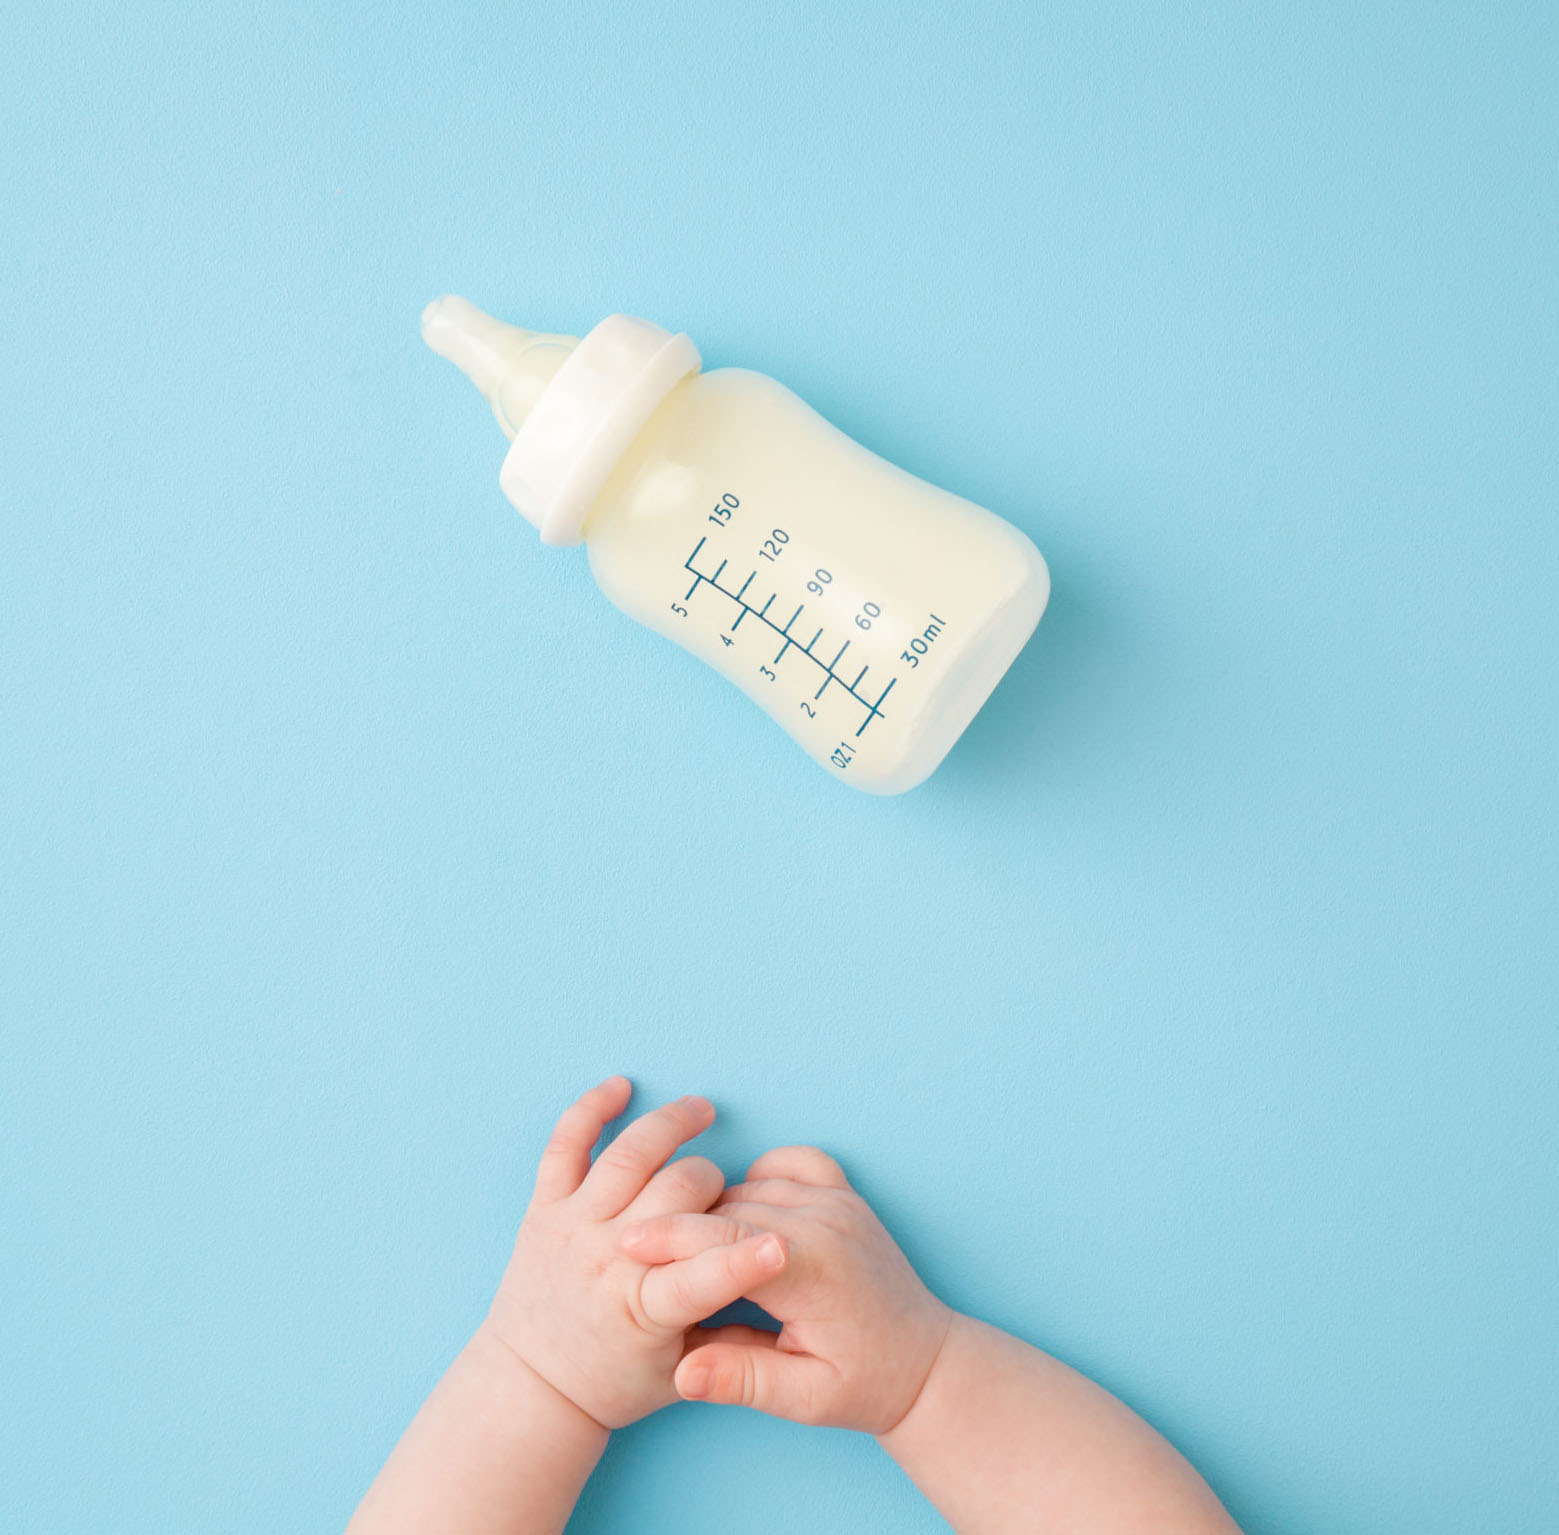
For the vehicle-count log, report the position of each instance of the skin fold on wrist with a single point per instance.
(886, 1437)
(504, 1356)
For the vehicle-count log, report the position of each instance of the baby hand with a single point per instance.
(596, 1322)
(860, 1332)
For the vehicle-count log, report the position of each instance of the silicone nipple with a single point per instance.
(509, 365)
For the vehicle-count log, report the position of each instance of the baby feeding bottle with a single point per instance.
(868, 612)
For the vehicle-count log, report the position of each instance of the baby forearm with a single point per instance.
(1004, 1438)
(494, 1450)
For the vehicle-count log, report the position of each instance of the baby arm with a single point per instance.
(581, 1338)
(1004, 1437)
(999, 1436)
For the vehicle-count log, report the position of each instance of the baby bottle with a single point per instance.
(866, 611)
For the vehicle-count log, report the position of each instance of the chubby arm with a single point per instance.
(1000, 1437)
(582, 1338)
(495, 1450)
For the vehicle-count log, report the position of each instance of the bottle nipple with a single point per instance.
(509, 365)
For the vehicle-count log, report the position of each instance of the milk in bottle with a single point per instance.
(868, 612)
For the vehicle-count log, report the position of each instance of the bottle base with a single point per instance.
(983, 664)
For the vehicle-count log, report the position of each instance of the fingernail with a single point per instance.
(771, 1253)
(693, 1380)
(696, 1102)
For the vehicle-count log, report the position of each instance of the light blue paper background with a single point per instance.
(1196, 1021)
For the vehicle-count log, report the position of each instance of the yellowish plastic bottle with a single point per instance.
(866, 611)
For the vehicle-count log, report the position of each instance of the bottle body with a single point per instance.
(868, 612)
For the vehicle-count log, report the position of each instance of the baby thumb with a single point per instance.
(751, 1375)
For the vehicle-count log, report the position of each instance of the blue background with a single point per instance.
(1196, 1020)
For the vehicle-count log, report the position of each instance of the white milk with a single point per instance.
(866, 611)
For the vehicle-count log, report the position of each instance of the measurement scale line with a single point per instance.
(873, 710)
(828, 666)
(746, 608)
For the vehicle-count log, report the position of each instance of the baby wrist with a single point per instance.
(886, 1437)
(522, 1383)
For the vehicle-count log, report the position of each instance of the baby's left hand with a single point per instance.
(600, 1327)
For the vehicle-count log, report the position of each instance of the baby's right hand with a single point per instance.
(861, 1332)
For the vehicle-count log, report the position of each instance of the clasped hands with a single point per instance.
(620, 1260)
(602, 1317)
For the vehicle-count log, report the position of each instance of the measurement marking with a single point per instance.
(874, 711)
(688, 564)
(739, 597)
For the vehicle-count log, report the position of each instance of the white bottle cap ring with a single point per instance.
(585, 418)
